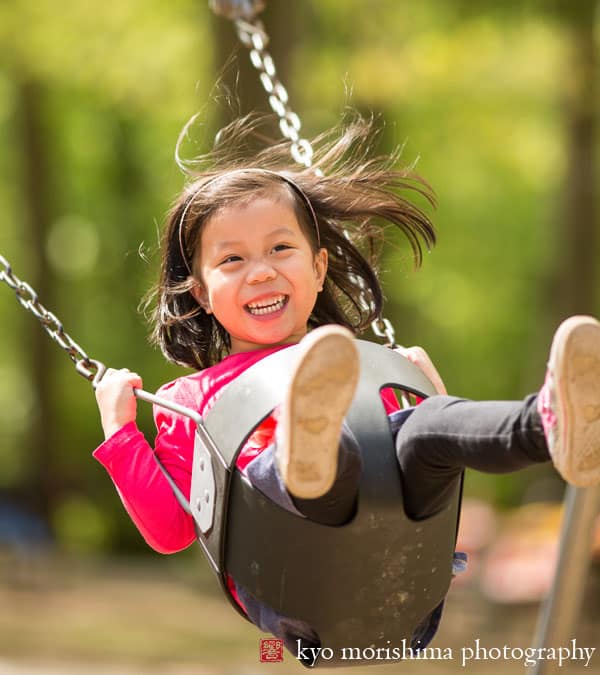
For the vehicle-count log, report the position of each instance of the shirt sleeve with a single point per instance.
(143, 488)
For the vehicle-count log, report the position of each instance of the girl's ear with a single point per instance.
(201, 296)
(321, 260)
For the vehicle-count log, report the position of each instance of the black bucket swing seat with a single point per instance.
(362, 586)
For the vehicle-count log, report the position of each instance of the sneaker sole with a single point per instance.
(321, 391)
(575, 364)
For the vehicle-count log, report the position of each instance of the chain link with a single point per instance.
(383, 328)
(89, 368)
(252, 34)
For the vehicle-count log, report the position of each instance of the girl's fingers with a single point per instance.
(420, 358)
(116, 399)
(123, 376)
(132, 379)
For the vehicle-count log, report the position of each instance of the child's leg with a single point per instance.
(445, 435)
(335, 506)
(315, 464)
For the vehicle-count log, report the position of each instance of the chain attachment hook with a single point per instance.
(237, 9)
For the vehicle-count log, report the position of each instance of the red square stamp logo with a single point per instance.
(271, 650)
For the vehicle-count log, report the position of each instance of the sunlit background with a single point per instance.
(497, 104)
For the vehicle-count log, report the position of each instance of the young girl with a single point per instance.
(255, 259)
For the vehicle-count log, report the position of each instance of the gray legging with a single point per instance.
(434, 443)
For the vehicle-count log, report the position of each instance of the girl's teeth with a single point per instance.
(267, 309)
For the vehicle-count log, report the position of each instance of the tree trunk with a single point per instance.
(578, 227)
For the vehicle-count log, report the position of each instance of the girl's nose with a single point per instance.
(260, 272)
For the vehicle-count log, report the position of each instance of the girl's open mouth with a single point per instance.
(269, 306)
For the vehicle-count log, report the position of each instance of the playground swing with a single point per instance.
(390, 572)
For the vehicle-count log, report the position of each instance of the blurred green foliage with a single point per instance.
(475, 94)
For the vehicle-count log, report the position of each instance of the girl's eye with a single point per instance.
(230, 259)
(281, 247)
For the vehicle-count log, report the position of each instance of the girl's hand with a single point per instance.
(420, 358)
(115, 399)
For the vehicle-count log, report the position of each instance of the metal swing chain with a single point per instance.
(89, 368)
(252, 34)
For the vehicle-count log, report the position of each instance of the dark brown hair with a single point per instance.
(353, 196)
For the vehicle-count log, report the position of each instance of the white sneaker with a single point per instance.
(311, 417)
(569, 401)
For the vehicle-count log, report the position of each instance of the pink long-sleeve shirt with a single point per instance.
(130, 460)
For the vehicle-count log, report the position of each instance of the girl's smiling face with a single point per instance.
(258, 273)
